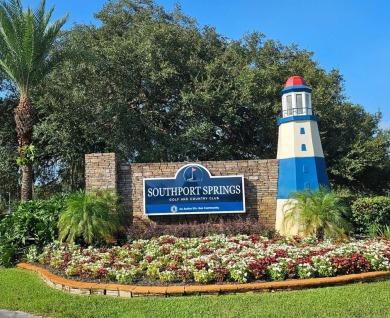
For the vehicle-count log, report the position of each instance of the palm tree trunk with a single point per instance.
(26, 189)
(24, 119)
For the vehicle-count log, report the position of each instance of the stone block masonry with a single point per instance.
(103, 171)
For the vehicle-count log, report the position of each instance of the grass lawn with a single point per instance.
(23, 290)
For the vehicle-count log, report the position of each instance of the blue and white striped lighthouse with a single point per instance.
(300, 155)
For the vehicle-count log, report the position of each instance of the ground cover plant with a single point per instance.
(217, 259)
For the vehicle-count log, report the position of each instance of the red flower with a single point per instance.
(254, 238)
(200, 265)
(167, 240)
(165, 250)
(259, 266)
(281, 253)
(205, 250)
(102, 272)
(220, 273)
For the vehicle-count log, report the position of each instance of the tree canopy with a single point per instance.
(153, 86)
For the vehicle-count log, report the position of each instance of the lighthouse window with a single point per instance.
(303, 147)
(307, 106)
(289, 105)
(299, 103)
(302, 131)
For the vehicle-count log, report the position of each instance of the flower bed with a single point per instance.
(218, 258)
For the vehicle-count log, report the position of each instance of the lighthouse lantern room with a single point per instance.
(296, 97)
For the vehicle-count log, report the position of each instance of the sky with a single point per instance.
(352, 36)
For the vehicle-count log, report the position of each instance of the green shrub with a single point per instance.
(33, 223)
(368, 213)
(94, 218)
(3, 208)
(320, 213)
(235, 226)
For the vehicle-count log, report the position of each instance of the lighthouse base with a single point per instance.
(285, 228)
(298, 174)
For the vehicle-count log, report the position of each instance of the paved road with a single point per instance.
(16, 314)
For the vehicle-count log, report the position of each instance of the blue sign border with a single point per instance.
(192, 191)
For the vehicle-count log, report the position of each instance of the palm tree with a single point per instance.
(93, 217)
(319, 213)
(26, 41)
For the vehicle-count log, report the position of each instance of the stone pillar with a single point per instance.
(101, 172)
(125, 189)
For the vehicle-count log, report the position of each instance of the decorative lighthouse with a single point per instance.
(301, 159)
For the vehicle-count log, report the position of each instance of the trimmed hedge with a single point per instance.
(370, 211)
(193, 229)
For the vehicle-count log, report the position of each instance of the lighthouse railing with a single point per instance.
(296, 112)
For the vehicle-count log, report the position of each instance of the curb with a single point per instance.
(119, 290)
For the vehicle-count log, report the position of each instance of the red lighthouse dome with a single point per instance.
(295, 81)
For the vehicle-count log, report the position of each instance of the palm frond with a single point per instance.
(91, 216)
(26, 40)
(318, 213)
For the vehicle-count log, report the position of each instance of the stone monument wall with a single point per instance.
(103, 171)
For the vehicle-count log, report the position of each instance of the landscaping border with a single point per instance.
(129, 291)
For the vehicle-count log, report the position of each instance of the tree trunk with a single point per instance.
(26, 189)
(24, 119)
